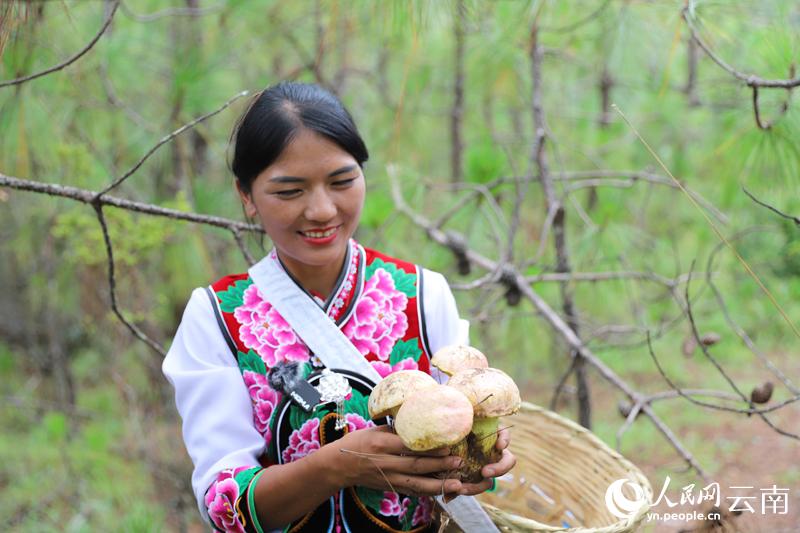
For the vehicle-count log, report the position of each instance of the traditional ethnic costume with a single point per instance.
(236, 424)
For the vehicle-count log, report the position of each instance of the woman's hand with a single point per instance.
(506, 463)
(379, 460)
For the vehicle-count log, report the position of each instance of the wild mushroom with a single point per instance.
(390, 393)
(456, 357)
(434, 418)
(493, 394)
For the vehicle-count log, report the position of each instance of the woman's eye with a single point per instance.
(342, 183)
(288, 193)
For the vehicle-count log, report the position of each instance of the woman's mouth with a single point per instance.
(320, 236)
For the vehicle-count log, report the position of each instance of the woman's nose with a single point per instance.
(321, 207)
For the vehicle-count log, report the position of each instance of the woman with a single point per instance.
(298, 162)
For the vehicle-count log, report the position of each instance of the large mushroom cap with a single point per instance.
(434, 418)
(491, 391)
(391, 392)
(456, 357)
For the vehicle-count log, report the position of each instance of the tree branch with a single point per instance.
(751, 80)
(174, 12)
(71, 59)
(88, 197)
(164, 140)
(793, 218)
(112, 282)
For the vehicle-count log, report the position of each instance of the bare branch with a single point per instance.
(795, 219)
(71, 59)
(112, 282)
(237, 235)
(174, 12)
(751, 80)
(604, 276)
(634, 176)
(88, 197)
(164, 140)
(574, 26)
(548, 222)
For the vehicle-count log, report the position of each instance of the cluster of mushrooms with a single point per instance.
(462, 415)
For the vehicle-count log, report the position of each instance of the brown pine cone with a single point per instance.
(762, 393)
(710, 338)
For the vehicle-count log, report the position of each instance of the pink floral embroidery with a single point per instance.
(423, 512)
(302, 441)
(262, 329)
(356, 422)
(349, 283)
(392, 506)
(384, 369)
(221, 501)
(379, 321)
(264, 401)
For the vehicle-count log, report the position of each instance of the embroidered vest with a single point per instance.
(377, 303)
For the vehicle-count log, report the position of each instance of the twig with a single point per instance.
(604, 276)
(237, 235)
(645, 176)
(574, 26)
(793, 218)
(87, 197)
(112, 282)
(751, 80)
(71, 59)
(560, 384)
(174, 12)
(548, 222)
(164, 140)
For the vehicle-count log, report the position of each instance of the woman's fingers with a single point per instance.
(506, 463)
(503, 439)
(450, 496)
(390, 443)
(423, 486)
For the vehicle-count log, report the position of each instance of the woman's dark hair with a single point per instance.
(276, 115)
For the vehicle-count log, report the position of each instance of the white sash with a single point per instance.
(326, 340)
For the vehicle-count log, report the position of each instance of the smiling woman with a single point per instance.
(248, 385)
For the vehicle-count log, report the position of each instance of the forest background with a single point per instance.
(496, 158)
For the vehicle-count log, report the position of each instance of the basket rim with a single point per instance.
(625, 525)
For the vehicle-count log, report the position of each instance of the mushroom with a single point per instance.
(434, 418)
(493, 394)
(390, 393)
(456, 357)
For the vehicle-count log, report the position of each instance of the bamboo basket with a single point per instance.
(560, 480)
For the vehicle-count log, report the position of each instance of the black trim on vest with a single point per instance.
(221, 323)
(360, 277)
(423, 330)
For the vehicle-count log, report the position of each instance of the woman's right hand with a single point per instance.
(376, 458)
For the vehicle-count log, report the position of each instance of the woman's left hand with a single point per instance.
(506, 463)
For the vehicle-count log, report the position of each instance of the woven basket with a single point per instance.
(560, 480)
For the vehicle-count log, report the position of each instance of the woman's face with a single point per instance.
(309, 201)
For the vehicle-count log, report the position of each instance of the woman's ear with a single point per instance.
(247, 201)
